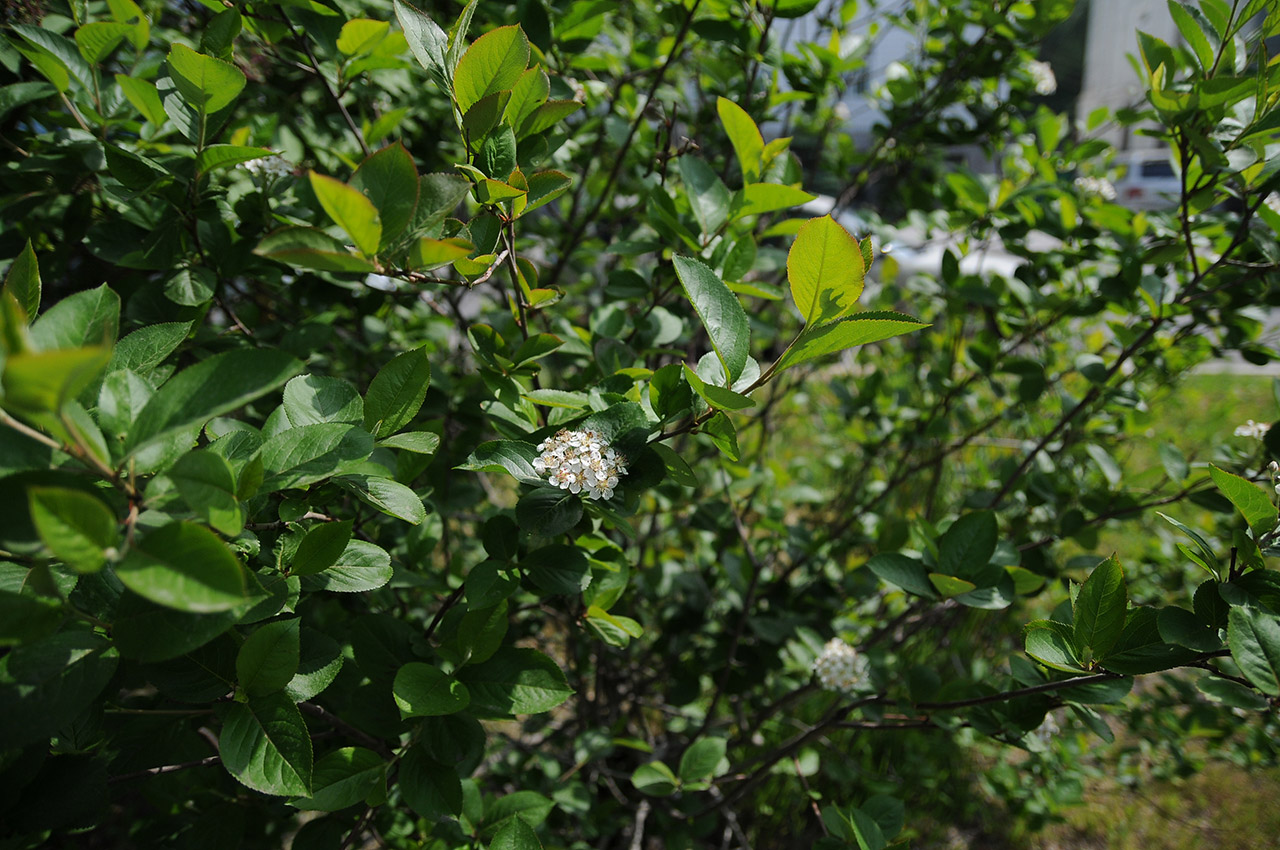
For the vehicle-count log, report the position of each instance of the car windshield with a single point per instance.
(1157, 168)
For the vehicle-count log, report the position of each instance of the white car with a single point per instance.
(1150, 180)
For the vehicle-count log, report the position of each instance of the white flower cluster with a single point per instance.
(1041, 74)
(839, 667)
(1257, 430)
(581, 460)
(1100, 186)
(269, 166)
(1044, 734)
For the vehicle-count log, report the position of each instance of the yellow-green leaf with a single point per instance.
(350, 210)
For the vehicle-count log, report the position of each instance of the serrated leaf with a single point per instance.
(76, 526)
(22, 281)
(266, 746)
(825, 270)
(859, 329)
(185, 567)
(1099, 611)
(493, 63)
(206, 84)
(395, 396)
(350, 210)
(720, 311)
(1254, 638)
(421, 690)
(269, 658)
(389, 179)
(516, 681)
(1251, 500)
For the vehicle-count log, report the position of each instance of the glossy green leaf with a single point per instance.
(208, 486)
(214, 157)
(1251, 500)
(510, 456)
(302, 456)
(269, 658)
(421, 690)
(359, 36)
(559, 568)
(859, 329)
(389, 179)
(387, 495)
(206, 84)
(361, 566)
(1100, 610)
(321, 548)
(211, 387)
(720, 311)
(493, 63)
(427, 41)
(144, 97)
(186, 567)
(655, 779)
(760, 198)
(431, 789)
(342, 778)
(97, 40)
(266, 746)
(1050, 643)
(708, 196)
(312, 399)
(745, 137)
(76, 526)
(309, 248)
(22, 281)
(396, 393)
(351, 210)
(699, 761)
(1254, 637)
(427, 253)
(907, 573)
(1140, 649)
(515, 834)
(516, 681)
(548, 511)
(825, 270)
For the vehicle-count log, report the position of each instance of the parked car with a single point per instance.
(1149, 182)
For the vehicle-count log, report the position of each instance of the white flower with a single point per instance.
(1044, 734)
(1257, 430)
(1041, 74)
(269, 166)
(839, 667)
(1099, 186)
(581, 460)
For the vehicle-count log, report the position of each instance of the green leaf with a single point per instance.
(343, 778)
(859, 329)
(708, 196)
(548, 511)
(186, 567)
(968, 544)
(145, 631)
(655, 779)
(213, 157)
(319, 665)
(760, 198)
(299, 457)
(1251, 500)
(701, 758)
(745, 137)
(61, 50)
(362, 566)
(18, 94)
(547, 116)
(211, 387)
(1050, 643)
(321, 548)
(417, 442)
(949, 586)
(529, 92)
(720, 311)
(88, 318)
(24, 618)
(396, 393)
(206, 84)
(97, 40)
(529, 806)
(717, 397)
(1195, 37)
(268, 660)
(1140, 648)
(147, 347)
(1180, 626)
(825, 270)
(1099, 611)
(421, 690)
(389, 179)
(350, 210)
(866, 831)
(515, 834)
(359, 36)
(510, 456)
(191, 287)
(613, 629)
(1254, 638)
(43, 382)
(481, 631)
(144, 97)
(22, 281)
(208, 486)
(545, 187)
(265, 745)
(427, 41)
(1174, 462)
(45, 685)
(387, 495)
(76, 526)
(428, 253)
(1211, 560)
(678, 470)
(558, 569)
(312, 399)
(497, 156)
(907, 573)
(431, 789)
(488, 583)
(1231, 693)
(493, 63)
(309, 248)
(516, 681)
